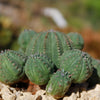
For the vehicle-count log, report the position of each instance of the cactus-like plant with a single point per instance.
(76, 39)
(51, 43)
(39, 68)
(58, 84)
(44, 51)
(25, 37)
(11, 66)
(95, 77)
(78, 64)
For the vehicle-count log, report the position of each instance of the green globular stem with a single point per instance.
(76, 40)
(58, 84)
(11, 66)
(52, 43)
(39, 68)
(25, 37)
(78, 64)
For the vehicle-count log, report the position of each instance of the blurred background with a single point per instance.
(82, 16)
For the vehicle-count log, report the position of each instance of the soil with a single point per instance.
(76, 92)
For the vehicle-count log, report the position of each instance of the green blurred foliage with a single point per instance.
(78, 13)
(93, 11)
(5, 37)
(15, 45)
(5, 32)
(87, 11)
(8, 35)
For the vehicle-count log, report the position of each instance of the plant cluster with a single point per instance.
(49, 58)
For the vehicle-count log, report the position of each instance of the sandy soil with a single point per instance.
(10, 93)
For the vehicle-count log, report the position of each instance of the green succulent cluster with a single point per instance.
(49, 58)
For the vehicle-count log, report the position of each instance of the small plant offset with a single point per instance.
(59, 84)
(77, 40)
(11, 66)
(49, 58)
(25, 38)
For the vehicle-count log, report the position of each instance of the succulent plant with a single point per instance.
(95, 77)
(58, 84)
(78, 64)
(51, 43)
(39, 68)
(25, 37)
(11, 66)
(42, 52)
(76, 39)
